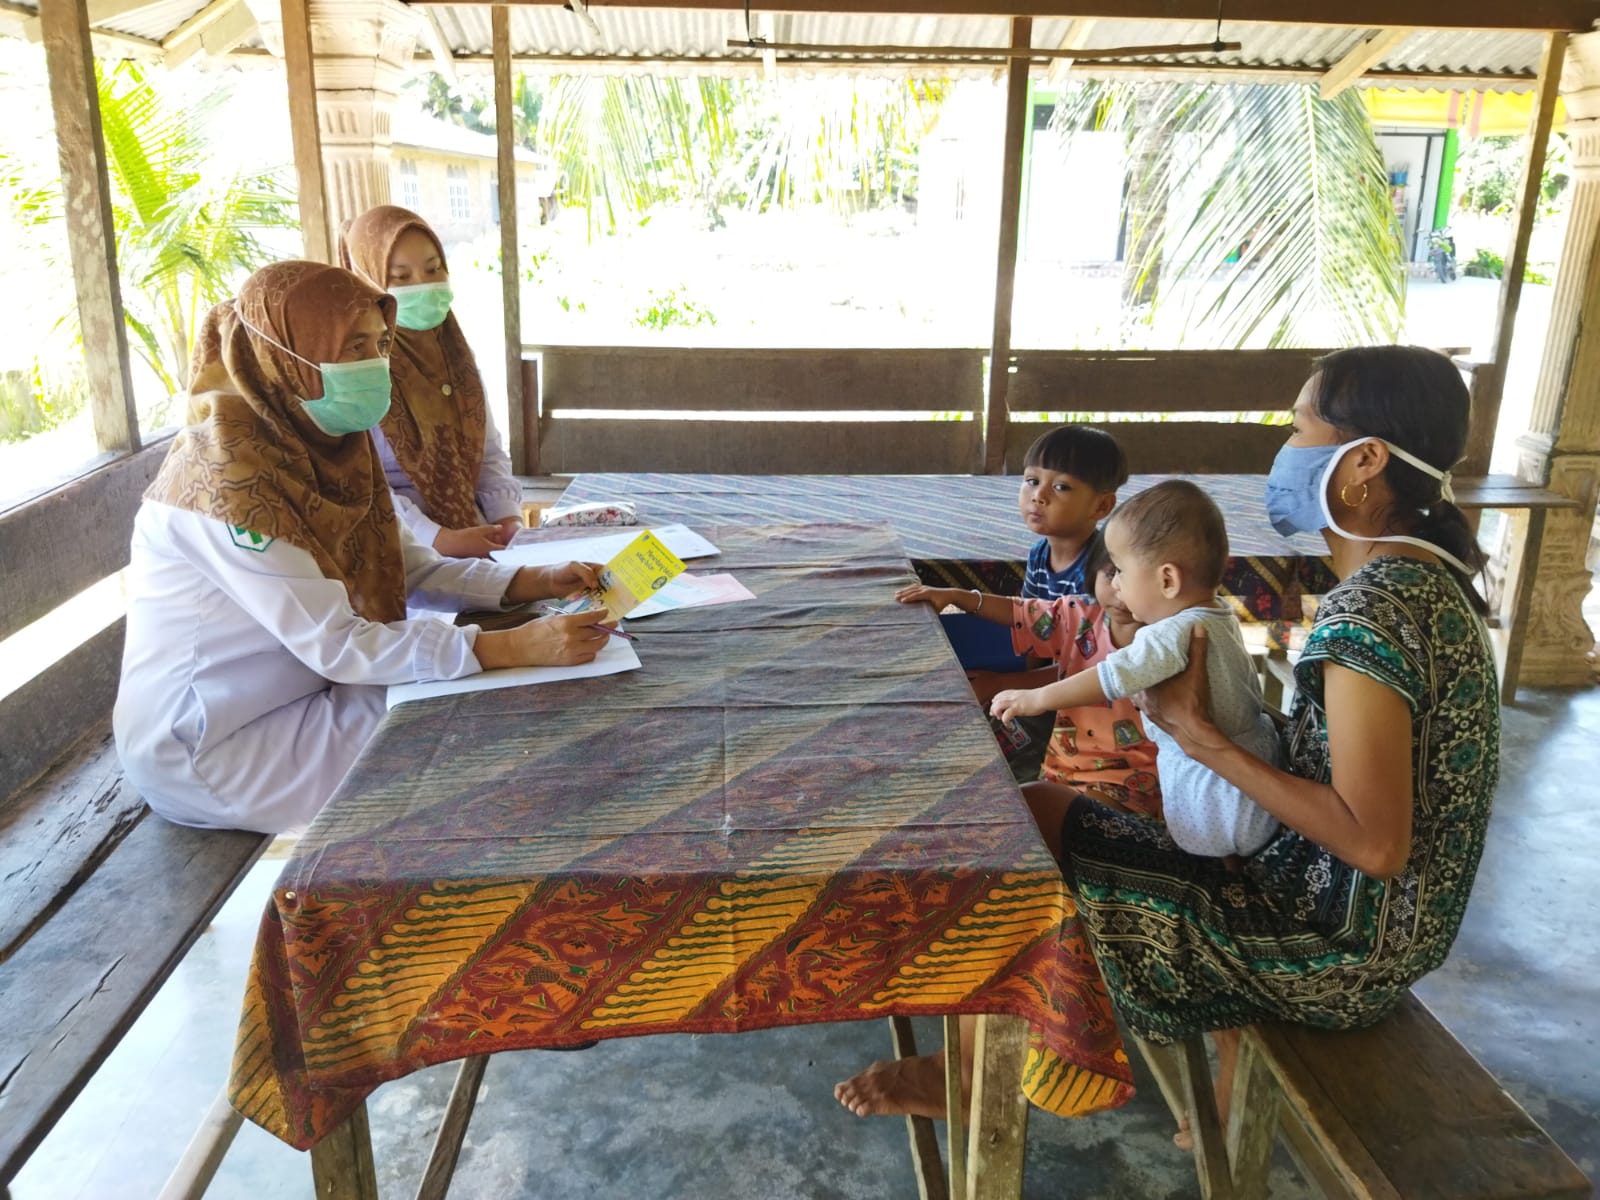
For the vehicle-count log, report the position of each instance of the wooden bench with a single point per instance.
(1400, 1111)
(99, 899)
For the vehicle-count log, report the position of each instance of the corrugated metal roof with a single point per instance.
(689, 34)
(700, 36)
(156, 22)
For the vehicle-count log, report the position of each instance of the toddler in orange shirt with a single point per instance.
(1100, 749)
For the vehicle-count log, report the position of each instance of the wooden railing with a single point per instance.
(759, 411)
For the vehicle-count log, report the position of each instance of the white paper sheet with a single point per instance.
(618, 656)
(526, 551)
(694, 591)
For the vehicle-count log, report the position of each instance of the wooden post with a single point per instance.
(524, 451)
(996, 415)
(999, 1118)
(1205, 1127)
(954, 1122)
(452, 1130)
(91, 237)
(925, 1160)
(1562, 446)
(1489, 380)
(341, 1163)
(1252, 1121)
(300, 67)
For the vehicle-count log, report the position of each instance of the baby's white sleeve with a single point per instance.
(1157, 652)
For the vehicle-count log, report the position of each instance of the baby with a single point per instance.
(1169, 546)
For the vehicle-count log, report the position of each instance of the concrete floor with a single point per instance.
(753, 1115)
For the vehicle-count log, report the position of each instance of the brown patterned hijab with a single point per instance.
(437, 420)
(250, 456)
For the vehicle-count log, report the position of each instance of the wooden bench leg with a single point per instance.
(205, 1152)
(1205, 1128)
(1252, 1122)
(955, 1121)
(925, 1158)
(341, 1163)
(1516, 618)
(999, 1110)
(452, 1130)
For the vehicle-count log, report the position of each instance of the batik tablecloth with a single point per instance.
(964, 530)
(793, 812)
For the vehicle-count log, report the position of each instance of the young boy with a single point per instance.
(1169, 547)
(1070, 478)
(1100, 748)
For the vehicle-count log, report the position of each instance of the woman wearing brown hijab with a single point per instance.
(269, 576)
(452, 482)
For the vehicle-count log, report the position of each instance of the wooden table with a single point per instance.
(792, 813)
(963, 530)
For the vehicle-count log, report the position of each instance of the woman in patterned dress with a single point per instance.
(1393, 744)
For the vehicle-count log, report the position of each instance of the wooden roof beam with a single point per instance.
(1574, 16)
(1361, 58)
(216, 29)
(439, 46)
(1077, 36)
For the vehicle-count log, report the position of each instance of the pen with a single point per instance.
(546, 610)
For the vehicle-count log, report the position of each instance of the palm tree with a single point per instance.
(1276, 197)
(626, 143)
(185, 230)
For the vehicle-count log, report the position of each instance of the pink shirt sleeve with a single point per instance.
(1049, 628)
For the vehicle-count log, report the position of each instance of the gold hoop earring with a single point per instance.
(1348, 503)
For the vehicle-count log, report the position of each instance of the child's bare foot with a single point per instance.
(898, 1087)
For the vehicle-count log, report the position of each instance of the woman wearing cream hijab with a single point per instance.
(269, 577)
(452, 481)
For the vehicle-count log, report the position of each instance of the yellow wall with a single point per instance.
(1474, 113)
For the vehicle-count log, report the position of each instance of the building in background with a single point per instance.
(449, 176)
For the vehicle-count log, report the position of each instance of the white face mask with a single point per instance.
(1445, 493)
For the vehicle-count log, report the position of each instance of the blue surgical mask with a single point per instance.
(1297, 493)
(355, 395)
(1295, 488)
(422, 305)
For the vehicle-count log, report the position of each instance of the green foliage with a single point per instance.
(185, 230)
(627, 143)
(1290, 215)
(667, 310)
(469, 103)
(1486, 264)
(1489, 175)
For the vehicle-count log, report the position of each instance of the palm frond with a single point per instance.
(1270, 195)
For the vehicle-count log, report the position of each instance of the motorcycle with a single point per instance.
(1442, 254)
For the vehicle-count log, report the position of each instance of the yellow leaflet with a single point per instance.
(641, 569)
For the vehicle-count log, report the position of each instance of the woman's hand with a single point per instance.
(1016, 702)
(512, 526)
(1182, 705)
(553, 582)
(560, 641)
(477, 542)
(938, 597)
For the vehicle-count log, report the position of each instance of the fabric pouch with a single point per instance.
(615, 512)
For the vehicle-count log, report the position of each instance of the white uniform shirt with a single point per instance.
(499, 493)
(249, 684)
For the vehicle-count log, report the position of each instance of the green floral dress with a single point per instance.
(1188, 943)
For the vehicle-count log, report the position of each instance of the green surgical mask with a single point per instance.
(355, 395)
(422, 305)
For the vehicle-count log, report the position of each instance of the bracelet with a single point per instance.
(977, 608)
